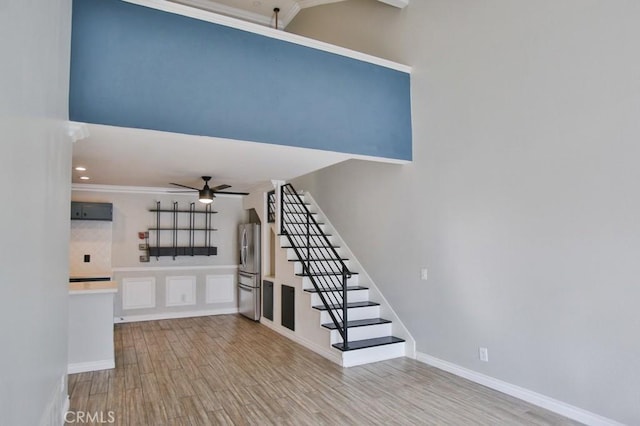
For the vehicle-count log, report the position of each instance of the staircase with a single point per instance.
(356, 328)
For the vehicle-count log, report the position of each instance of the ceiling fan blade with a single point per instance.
(233, 193)
(180, 192)
(221, 187)
(184, 186)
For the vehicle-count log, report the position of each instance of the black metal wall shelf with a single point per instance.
(182, 229)
(177, 247)
(183, 211)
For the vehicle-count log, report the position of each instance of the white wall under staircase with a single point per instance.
(308, 321)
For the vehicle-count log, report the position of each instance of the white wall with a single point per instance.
(131, 215)
(523, 196)
(35, 165)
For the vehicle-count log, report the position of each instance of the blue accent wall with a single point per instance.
(134, 66)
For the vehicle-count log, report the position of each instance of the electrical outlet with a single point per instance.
(143, 246)
(484, 354)
(144, 258)
(423, 274)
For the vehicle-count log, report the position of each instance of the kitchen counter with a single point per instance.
(93, 287)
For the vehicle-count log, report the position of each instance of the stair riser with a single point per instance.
(321, 266)
(303, 228)
(301, 241)
(333, 280)
(354, 314)
(352, 296)
(293, 198)
(361, 333)
(375, 354)
(294, 215)
(315, 254)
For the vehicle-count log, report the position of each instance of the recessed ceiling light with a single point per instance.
(84, 177)
(81, 169)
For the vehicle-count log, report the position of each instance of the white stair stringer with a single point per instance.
(370, 293)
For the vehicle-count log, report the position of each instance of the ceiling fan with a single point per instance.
(207, 194)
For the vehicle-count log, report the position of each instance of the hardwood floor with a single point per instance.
(226, 370)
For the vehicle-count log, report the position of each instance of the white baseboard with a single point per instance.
(559, 407)
(65, 407)
(173, 315)
(57, 406)
(333, 357)
(81, 367)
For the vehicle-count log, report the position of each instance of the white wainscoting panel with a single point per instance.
(181, 290)
(138, 293)
(220, 288)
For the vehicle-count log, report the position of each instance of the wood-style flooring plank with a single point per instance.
(227, 370)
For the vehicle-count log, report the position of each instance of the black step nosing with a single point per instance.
(368, 343)
(351, 305)
(304, 248)
(359, 323)
(304, 235)
(349, 288)
(319, 260)
(324, 274)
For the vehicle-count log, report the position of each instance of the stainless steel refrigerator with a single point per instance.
(249, 271)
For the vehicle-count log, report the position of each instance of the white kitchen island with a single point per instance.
(91, 344)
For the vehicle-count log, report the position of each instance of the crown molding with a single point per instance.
(227, 10)
(289, 15)
(140, 190)
(77, 131)
(397, 3)
(311, 3)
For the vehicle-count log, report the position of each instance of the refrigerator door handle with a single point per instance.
(243, 288)
(243, 248)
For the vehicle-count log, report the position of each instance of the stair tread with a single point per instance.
(324, 274)
(301, 223)
(359, 323)
(368, 343)
(349, 288)
(349, 305)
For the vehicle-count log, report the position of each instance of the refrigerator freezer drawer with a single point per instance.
(249, 302)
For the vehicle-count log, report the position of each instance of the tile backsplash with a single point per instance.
(92, 238)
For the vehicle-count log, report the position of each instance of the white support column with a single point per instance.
(277, 184)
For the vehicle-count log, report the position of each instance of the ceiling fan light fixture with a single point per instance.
(206, 195)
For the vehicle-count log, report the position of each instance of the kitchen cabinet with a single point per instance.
(288, 311)
(91, 211)
(267, 299)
